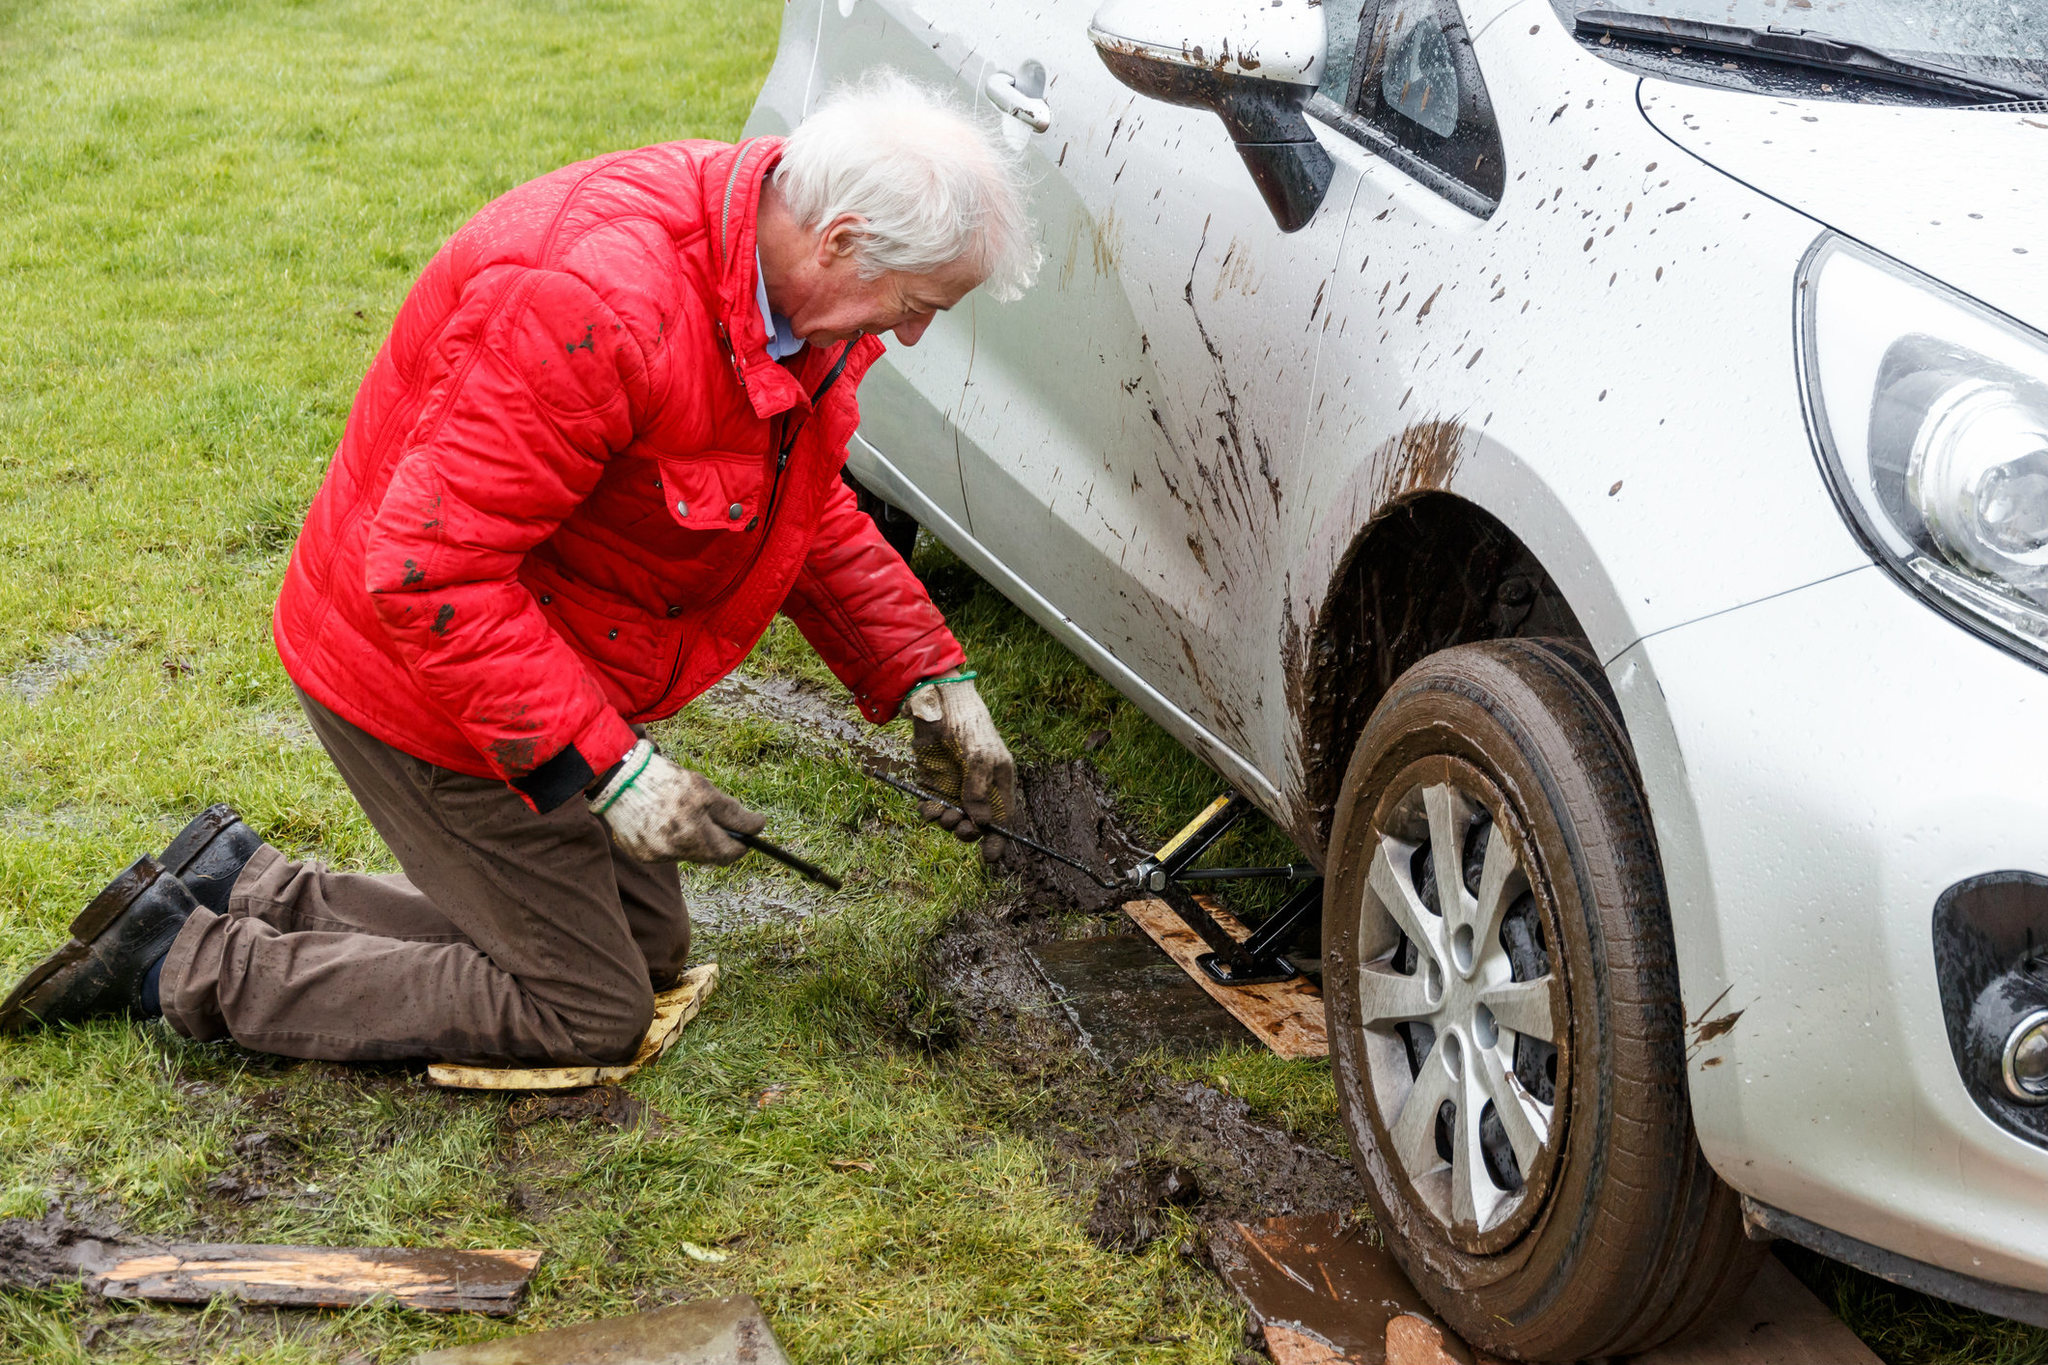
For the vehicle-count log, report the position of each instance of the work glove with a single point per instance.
(659, 812)
(962, 758)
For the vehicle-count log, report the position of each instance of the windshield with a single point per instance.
(1985, 37)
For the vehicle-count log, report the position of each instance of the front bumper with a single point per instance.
(1821, 766)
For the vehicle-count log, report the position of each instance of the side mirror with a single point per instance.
(1254, 62)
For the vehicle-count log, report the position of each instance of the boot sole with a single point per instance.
(180, 853)
(91, 922)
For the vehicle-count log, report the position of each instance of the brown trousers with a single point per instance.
(510, 936)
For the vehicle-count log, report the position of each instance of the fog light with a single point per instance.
(2026, 1059)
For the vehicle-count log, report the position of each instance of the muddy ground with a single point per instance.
(1127, 1140)
(1131, 1140)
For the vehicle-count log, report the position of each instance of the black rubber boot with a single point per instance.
(124, 932)
(210, 853)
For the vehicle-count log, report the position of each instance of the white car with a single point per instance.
(1597, 461)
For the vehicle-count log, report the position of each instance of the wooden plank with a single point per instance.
(672, 1009)
(1777, 1322)
(1287, 1016)
(1323, 1294)
(491, 1282)
(1289, 1346)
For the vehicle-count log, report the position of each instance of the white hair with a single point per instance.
(930, 184)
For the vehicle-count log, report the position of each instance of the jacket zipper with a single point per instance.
(788, 444)
(725, 264)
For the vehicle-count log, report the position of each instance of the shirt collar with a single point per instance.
(781, 340)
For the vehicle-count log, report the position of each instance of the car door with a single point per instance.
(1130, 426)
(1418, 283)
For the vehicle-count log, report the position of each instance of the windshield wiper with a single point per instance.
(1798, 47)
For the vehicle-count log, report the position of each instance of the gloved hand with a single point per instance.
(962, 758)
(659, 812)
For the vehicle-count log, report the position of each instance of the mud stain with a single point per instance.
(1714, 1028)
(1232, 441)
(606, 1104)
(1424, 456)
(1106, 237)
(37, 1253)
(1130, 1204)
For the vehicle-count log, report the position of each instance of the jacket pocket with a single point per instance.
(631, 653)
(716, 491)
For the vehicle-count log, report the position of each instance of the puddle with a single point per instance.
(730, 1331)
(1125, 998)
(62, 823)
(812, 711)
(289, 728)
(723, 909)
(65, 658)
(1321, 1288)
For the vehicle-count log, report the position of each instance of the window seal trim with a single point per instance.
(1369, 135)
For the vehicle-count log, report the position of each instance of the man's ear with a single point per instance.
(840, 240)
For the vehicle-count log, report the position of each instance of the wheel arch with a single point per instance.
(1429, 570)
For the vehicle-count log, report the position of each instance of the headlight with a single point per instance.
(1930, 413)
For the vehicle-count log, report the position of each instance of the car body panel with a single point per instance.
(1168, 451)
(1844, 754)
(1117, 464)
(1962, 195)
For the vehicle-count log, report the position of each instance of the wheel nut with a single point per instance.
(2026, 1059)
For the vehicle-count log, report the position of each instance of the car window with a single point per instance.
(1403, 79)
(1340, 23)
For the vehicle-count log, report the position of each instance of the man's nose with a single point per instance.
(909, 332)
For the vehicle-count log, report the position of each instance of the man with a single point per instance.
(598, 452)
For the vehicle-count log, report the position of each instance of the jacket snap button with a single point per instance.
(682, 509)
(735, 512)
(657, 483)
(675, 611)
(546, 598)
(613, 634)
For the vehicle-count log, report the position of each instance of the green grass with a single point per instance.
(209, 212)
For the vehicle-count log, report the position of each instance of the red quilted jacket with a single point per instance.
(559, 503)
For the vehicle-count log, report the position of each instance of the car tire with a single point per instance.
(897, 526)
(1582, 1222)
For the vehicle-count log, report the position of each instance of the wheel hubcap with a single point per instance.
(1462, 1010)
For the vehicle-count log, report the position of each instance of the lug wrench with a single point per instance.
(786, 858)
(1040, 849)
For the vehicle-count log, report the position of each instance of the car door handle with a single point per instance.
(1003, 93)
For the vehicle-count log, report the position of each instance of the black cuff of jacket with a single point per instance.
(555, 781)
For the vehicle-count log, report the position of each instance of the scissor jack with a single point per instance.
(1231, 961)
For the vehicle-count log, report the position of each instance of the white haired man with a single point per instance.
(599, 451)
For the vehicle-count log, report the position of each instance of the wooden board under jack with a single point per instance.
(489, 1282)
(708, 1332)
(672, 1009)
(1287, 1016)
(1323, 1293)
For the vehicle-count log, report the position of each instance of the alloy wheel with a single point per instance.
(1463, 1010)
